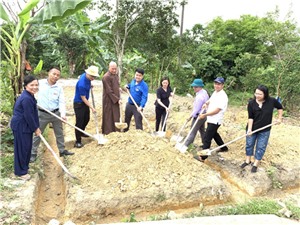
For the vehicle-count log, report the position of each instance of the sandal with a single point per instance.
(25, 177)
(245, 164)
(253, 169)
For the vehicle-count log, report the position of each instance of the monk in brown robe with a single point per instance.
(111, 99)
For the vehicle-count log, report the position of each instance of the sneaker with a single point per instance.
(65, 152)
(78, 145)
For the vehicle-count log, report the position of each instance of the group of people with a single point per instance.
(111, 100)
(31, 116)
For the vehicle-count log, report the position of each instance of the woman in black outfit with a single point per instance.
(162, 102)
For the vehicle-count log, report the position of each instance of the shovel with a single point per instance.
(97, 136)
(180, 146)
(140, 111)
(177, 137)
(102, 141)
(120, 125)
(162, 133)
(56, 157)
(208, 151)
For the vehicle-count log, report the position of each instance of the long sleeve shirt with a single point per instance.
(200, 99)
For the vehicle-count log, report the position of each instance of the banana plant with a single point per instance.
(14, 30)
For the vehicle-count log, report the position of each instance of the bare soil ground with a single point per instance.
(138, 172)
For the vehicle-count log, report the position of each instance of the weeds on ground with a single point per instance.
(272, 174)
(257, 206)
(8, 217)
(131, 218)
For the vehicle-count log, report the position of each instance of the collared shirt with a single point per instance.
(200, 99)
(217, 100)
(51, 97)
(83, 87)
(262, 116)
(139, 93)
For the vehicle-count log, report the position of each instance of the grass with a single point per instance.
(253, 207)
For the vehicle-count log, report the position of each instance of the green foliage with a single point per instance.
(257, 206)
(58, 9)
(7, 150)
(7, 165)
(7, 141)
(272, 174)
(11, 217)
(131, 218)
(6, 91)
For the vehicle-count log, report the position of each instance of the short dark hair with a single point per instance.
(54, 67)
(139, 70)
(28, 79)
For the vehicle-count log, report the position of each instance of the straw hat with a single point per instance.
(93, 71)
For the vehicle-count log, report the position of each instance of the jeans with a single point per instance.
(261, 139)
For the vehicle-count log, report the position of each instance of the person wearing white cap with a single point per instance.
(215, 109)
(81, 102)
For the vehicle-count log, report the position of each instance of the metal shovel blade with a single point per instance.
(101, 140)
(205, 152)
(176, 138)
(181, 147)
(121, 126)
(160, 133)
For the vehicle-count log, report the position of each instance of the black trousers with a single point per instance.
(160, 117)
(212, 133)
(82, 114)
(130, 111)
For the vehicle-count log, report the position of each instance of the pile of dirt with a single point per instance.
(136, 169)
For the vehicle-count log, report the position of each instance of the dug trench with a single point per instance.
(145, 174)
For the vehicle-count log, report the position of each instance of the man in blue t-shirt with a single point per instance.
(139, 92)
(81, 102)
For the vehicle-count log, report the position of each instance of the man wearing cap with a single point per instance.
(51, 97)
(81, 102)
(110, 99)
(200, 99)
(215, 109)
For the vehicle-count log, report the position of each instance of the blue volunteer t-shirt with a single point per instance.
(83, 87)
(139, 93)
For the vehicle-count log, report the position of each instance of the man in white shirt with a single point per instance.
(216, 107)
(51, 97)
